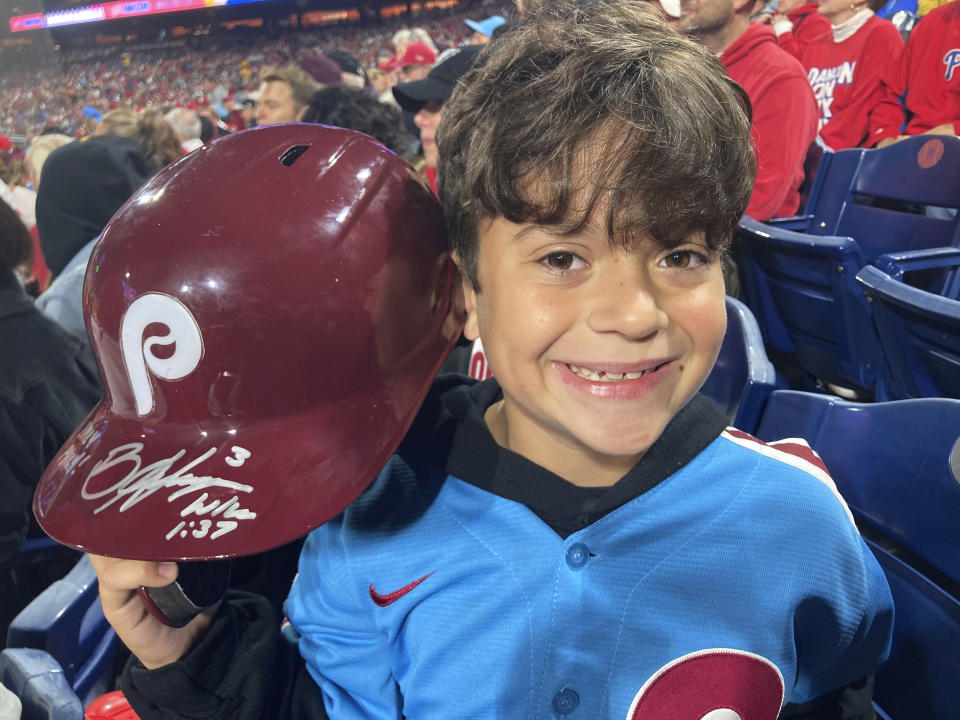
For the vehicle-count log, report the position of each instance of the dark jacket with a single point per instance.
(47, 386)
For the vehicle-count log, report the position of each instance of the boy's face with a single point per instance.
(596, 348)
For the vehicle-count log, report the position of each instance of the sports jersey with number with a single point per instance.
(735, 581)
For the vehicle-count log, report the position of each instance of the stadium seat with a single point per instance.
(797, 274)
(936, 270)
(66, 621)
(897, 464)
(880, 198)
(40, 683)
(813, 317)
(920, 679)
(743, 376)
(38, 562)
(919, 332)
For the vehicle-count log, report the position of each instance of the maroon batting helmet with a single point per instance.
(267, 315)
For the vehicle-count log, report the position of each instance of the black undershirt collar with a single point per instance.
(477, 459)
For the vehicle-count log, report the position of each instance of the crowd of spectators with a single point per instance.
(210, 68)
(110, 119)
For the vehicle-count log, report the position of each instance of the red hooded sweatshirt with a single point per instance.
(927, 78)
(784, 118)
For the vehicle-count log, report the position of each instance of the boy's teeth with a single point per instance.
(603, 376)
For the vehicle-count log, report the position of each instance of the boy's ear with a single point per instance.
(471, 328)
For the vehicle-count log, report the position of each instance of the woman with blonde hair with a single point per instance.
(148, 129)
(40, 148)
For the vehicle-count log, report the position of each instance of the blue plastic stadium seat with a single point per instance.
(880, 197)
(919, 331)
(743, 376)
(921, 677)
(936, 270)
(798, 273)
(897, 464)
(40, 683)
(67, 622)
(814, 318)
(37, 563)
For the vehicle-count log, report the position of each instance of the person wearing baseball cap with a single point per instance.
(415, 61)
(483, 30)
(324, 70)
(424, 99)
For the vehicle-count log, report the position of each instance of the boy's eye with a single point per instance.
(560, 260)
(683, 259)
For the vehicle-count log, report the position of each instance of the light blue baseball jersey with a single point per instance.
(736, 584)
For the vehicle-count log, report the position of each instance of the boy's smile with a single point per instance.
(596, 347)
(612, 380)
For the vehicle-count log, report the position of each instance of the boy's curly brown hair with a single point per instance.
(590, 103)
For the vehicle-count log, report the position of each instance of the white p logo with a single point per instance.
(138, 356)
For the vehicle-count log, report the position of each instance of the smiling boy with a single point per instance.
(581, 536)
(606, 335)
(598, 544)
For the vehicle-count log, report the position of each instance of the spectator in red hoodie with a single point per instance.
(845, 68)
(797, 24)
(921, 94)
(784, 110)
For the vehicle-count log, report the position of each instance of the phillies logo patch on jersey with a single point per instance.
(479, 367)
(952, 61)
(182, 335)
(717, 684)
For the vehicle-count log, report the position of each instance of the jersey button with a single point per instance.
(566, 701)
(577, 555)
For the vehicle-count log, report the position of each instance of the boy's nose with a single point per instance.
(628, 307)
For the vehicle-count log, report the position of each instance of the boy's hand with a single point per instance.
(154, 643)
